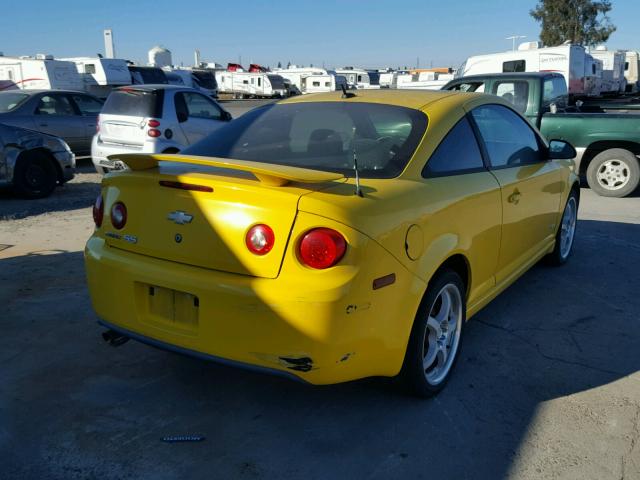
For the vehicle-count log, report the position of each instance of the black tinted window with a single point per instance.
(457, 153)
(87, 105)
(136, 103)
(322, 136)
(508, 138)
(514, 66)
(516, 92)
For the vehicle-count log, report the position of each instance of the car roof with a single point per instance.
(37, 91)
(416, 99)
(151, 87)
(508, 75)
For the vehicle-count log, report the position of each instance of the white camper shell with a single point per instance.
(308, 80)
(613, 80)
(569, 60)
(422, 81)
(251, 84)
(42, 72)
(101, 75)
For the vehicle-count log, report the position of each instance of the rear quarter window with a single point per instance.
(134, 103)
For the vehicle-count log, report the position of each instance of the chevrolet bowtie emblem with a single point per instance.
(180, 217)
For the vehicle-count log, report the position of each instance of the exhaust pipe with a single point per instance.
(114, 338)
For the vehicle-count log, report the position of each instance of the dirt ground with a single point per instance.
(547, 386)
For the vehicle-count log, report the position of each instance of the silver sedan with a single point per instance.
(66, 114)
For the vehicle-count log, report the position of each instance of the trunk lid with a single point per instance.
(124, 116)
(205, 227)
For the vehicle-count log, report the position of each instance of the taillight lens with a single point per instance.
(154, 132)
(322, 248)
(118, 215)
(260, 239)
(153, 123)
(98, 211)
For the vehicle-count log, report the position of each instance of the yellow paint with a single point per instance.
(261, 309)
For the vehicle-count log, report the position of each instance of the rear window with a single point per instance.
(10, 101)
(134, 103)
(322, 136)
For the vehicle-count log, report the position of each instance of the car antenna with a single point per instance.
(355, 163)
(346, 94)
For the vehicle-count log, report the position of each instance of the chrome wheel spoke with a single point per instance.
(445, 307)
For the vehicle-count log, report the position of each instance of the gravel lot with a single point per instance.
(547, 386)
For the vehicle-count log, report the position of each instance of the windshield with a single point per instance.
(10, 101)
(277, 82)
(321, 136)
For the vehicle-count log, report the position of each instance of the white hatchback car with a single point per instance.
(153, 119)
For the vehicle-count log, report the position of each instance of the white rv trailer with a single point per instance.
(422, 81)
(569, 60)
(101, 75)
(308, 79)
(356, 77)
(40, 72)
(632, 71)
(251, 84)
(386, 78)
(613, 79)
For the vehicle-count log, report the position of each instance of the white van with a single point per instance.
(569, 60)
(42, 72)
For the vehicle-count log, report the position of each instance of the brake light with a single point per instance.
(322, 248)
(154, 132)
(153, 123)
(260, 239)
(118, 215)
(98, 211)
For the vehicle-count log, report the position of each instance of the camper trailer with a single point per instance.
(101, 75)
(386, 78)
(201, 79)
(39, 72)
(422, 80)
(613, 80)
(356, 77)
(308, 79)
(248, 84)
(632, 71)
(569, 60)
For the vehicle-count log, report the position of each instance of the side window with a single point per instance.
(55, 105)
(509, 140)
(514, 66)
(259, 81)
(469, 87)
(516, 92)
(457, 153)
(554, 90)
(87, 105)
(182, 113)
(200, 106)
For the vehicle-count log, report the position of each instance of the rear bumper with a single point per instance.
(67, 162)
(100, 151)
(326, 333)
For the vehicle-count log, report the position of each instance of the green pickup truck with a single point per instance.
(608, 144)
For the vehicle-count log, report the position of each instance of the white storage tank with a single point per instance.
(160, 57)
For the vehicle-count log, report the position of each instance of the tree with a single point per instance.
(279, 64)
(584, 22)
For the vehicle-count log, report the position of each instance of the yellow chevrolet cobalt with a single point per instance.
(331, 237)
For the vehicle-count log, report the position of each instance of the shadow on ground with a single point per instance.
(72, 407)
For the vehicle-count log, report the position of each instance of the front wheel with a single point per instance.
(566, 232)
(35, 175)
(434, 343)
(614, 173)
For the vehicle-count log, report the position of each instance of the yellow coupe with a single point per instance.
(331, 237)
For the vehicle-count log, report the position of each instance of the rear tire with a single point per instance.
(35, 175)
(434, 343)
(614, 173)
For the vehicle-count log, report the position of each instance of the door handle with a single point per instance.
(514, 197)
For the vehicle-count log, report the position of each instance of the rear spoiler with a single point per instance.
(267, 173)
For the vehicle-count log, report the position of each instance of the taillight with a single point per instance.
(260, 239)
(154, 132)
(118, 215)
(322, 248)
(98, 211)
(153, 123)
(97, 127)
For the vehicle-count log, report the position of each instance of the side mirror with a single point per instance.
(226, 116)
(561, 150)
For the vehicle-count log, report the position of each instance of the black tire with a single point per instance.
(560, 255)
(35, 175)
(413, 373)
(619, 163)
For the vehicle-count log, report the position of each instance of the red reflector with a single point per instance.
(153, 123)
(118, 215)
(153, 132)
(98, 211)
(260, 239)
(185, 186)
(322, 248)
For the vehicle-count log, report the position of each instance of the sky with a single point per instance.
(334, 33)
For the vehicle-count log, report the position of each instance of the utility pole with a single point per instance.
(513, 38)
